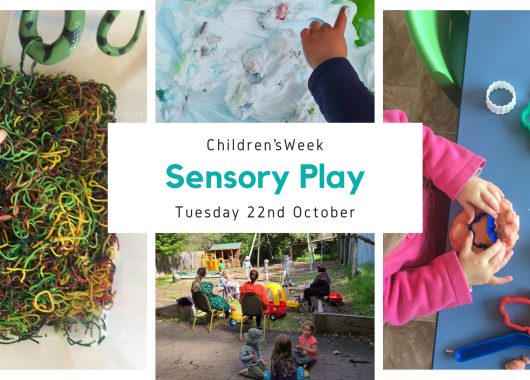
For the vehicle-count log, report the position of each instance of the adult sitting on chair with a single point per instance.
(251, 288)
(216, 301)
(320, 287)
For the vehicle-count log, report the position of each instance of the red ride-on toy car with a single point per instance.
(277, 305)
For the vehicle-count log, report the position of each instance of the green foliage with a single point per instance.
(176, 294)
(362, 288)
(325, 257)
(201, 242)
(163, 280)
(294, 244)
(170, 244)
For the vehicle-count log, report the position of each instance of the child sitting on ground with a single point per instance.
(226, 280)
(266, 269)
(283, 364)
(251, 357)
(308, 348)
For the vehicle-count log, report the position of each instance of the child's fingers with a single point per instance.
(342, 20)
(499, 280)
(481, 204)
(492, 201)
(496, 260)
(492, 188)
(504, 261)
(315, 26)
(497, 193)
(488, 254)
(304, 35)
(470, 211)
(468, 242)
(3, 135)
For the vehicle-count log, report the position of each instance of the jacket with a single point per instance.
(246, 351)
(340, 94)
(321, 285)
(419, 276)
(255, 289)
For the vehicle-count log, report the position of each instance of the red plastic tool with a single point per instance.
(518, 299)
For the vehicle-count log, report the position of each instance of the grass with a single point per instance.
(361, 288)
(325, 257)
(164, 280)
(170, 294)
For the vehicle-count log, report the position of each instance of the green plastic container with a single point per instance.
(440, 39)
(365, 11)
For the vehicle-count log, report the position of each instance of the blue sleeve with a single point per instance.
(340, 94)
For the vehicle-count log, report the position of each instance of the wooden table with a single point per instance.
(498, 49)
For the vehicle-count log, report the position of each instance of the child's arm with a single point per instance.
(334, 84)
(312, 350)
(452, 169)
(443, 283)
(245, 353)
(424, 291)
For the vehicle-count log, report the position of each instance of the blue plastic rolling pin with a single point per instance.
(492, 346)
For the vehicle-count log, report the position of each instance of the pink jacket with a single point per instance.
(420, 278)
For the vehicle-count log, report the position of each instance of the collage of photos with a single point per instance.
(77, 293)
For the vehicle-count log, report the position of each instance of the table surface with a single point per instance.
(498, 49)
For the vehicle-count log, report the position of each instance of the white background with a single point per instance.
(388, 198)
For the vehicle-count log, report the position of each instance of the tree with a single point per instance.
(170, 244)
(246, 239)
(201, 242)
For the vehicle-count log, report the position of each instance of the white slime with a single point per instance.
(234, 61)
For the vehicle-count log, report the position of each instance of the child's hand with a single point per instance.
(253, 356)
(323, 42)
(480, 268)
(483, 194)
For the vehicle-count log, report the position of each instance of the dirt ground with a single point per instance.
(182, 353)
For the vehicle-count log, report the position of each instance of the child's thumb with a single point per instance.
(468, 242)
(470, 211)
(342, 19)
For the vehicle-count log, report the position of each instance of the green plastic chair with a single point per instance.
(440, 39)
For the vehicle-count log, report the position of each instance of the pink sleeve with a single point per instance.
(425, 290)
(449, 165)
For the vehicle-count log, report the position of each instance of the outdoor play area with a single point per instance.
(343, 318)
